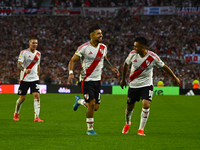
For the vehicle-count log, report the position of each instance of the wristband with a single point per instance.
(71, 72)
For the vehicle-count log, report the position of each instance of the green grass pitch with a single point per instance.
(173, 124)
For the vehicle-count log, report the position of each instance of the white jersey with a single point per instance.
(92, 60)
(141, 73)
(29, 61)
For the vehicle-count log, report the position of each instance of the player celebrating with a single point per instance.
(29, 64)
(92, 55)
(141, 84)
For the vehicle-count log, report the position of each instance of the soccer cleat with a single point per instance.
(91, 132)
(16, 117)
(38, 120)
(141, 132)
(126, 128)
(76, 105)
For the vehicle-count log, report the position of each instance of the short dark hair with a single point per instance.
(95, 27)
(141, 40)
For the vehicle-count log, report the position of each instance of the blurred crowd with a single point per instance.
(21, 3)
(123, 3)
(99, 3)
(169, 36)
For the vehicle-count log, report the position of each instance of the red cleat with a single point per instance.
(141, 132)
(38, 120)
(16, 117)
(126, 128)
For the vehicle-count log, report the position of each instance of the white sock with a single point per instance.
(144, 117)
(37, 107)
(90, 122)
(18, 106)
(82, 102)
(128, 115)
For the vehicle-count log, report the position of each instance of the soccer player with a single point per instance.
(92, 55)
(141, 85)
(29, 64)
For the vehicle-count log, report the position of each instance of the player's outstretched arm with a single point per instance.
(170, 72)
(124, 72)
(71, 67)
(108, 65)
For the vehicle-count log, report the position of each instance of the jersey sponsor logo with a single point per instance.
(135, 60)
(29, 56)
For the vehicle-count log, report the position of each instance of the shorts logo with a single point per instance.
(128, 99)
(19, 91)
(86, 96)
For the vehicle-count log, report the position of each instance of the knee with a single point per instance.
(96, 107)
(36, 96)
(92, 104)
(22, 98)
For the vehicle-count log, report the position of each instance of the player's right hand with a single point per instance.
(122, 84)
(71, 76)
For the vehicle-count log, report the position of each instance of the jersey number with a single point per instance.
(150, 94)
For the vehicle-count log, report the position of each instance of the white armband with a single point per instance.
(71, 72)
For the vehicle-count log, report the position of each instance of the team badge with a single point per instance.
(147, 62)
(86, 96)
(19, 91)
(128, 99)
(101, 51)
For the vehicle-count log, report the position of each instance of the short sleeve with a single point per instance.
(159, 63)
(128, 59)
(21, 56)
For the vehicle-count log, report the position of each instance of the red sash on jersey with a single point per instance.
(141, 68)
(94, 64)
(30, 66)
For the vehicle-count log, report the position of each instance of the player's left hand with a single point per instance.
(116, 71)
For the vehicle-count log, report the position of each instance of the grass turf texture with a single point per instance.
(173, 124)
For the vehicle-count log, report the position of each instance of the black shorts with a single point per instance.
(135, 94)
(91, 90)
(24, 86)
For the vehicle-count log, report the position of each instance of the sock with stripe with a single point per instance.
(144, 117)
(37, 107)
(128, 115)
(90, 122)
(18, 106)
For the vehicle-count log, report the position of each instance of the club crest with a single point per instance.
(86, 96)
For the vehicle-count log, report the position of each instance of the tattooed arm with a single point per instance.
(19, 65)
(108, 65)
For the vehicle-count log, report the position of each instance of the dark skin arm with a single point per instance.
(170, 72)
(108, 65)
(124, 73)
(74, 59)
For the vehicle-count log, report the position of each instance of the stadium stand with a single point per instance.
(59, 36)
